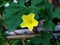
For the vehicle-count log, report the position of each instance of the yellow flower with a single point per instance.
(29, 21)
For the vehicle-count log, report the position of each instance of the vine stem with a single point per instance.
(7, 43)
(23, 41)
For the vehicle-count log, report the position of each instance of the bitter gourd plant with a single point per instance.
(12, 13)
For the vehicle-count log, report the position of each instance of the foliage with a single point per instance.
(14, 12)
(58, 41)
(12, 18)
(44, 39)
(15, 42)
(2, 38)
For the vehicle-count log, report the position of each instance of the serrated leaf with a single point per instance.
(13, 16)
(21, 3)
(49, 25)
(36, 40)
(33, 10)
(56, 13)
(35, 2)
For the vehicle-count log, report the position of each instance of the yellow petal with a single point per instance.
(29, 21)
(23, 24)
(30, 28)
(35, 22)
(31, 15)
(24, 17)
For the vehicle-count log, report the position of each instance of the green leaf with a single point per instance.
(7, 0)
(49, 25)
(2, 37)
(45, 10)
(43, 39)
(12, 16)
(58, 40)
(21, 3)
(16, 42)
(33, 10)
(35, 2)
(56, 13)
(36, 40)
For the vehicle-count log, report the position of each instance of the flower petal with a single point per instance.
(23, 24)
(31, 15)
(35, 22)
(30, 28)
(29, 21)
(24, 17)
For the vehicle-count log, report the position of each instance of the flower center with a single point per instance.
(30, 21)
